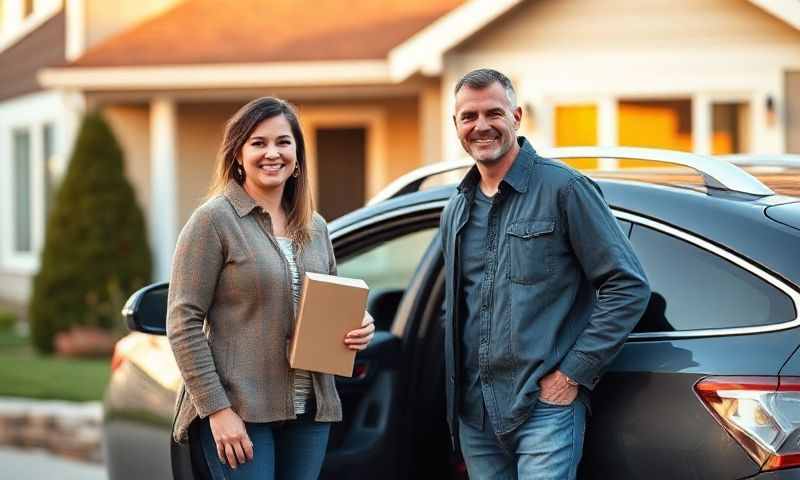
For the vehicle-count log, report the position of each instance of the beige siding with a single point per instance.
(131, 127)
(403, 138)
(584, 27)
(793, 112)
(200, 129)
(430, 124)
(562, 51)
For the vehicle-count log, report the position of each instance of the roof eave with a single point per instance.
(214, 76)
(786, 10)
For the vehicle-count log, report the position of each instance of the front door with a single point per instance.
(341, 170)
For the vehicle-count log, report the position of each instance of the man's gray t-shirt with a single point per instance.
(473, 266)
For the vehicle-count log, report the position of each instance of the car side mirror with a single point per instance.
(146, 310)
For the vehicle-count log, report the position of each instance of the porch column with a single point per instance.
(163, 187)
(607, 130)
(701, 124)
(430, 126)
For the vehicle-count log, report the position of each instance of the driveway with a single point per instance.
(38, 465)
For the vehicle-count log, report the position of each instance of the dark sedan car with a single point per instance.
(707, 387)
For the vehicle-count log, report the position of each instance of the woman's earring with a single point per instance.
(239, 171)
(296, 172)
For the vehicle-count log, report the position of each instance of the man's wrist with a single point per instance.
(570, 381)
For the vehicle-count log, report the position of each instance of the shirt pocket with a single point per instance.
(530, 245)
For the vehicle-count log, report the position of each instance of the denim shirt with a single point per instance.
(566, 287)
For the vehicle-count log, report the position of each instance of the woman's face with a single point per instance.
(269, 155)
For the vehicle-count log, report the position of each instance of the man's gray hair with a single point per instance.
(484, 77)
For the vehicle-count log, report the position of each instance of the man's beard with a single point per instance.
(493, 157)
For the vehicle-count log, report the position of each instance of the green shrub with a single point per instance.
(96, 242)
(7, 321)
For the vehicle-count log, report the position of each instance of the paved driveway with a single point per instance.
(38, 465)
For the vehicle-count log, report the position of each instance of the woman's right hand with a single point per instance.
(233, 444)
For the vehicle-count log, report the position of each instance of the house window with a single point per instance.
(654, 124)
(576, 125)
(48, 151)
(22, 191)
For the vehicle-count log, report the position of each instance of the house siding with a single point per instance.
(579, 50)
(19, 64)
(792, 116)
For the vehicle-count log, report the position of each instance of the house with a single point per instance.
(373, 82)
(37, 123)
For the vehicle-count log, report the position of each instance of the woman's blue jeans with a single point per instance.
(290, 450)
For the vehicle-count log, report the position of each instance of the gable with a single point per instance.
(583, 27)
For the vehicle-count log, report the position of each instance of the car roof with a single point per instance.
(726, 218)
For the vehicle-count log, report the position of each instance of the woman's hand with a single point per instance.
(359, 339)
(233, 444)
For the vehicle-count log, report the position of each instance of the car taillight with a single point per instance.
(761, 413)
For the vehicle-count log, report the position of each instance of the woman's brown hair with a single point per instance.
(297, 201)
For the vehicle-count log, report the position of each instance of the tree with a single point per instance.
(95, 244)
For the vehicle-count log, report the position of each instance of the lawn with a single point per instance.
(25, 373)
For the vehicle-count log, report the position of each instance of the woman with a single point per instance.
(232, 302)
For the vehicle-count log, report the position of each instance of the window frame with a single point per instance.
(728, 256)
(11, 259)
(29, 157)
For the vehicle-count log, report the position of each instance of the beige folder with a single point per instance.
(329, 308)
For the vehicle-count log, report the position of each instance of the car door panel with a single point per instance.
(365, 440)
(647, 421)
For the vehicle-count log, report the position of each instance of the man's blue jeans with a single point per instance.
(547, 446)
(291, 450)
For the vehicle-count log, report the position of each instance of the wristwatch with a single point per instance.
(571, 381)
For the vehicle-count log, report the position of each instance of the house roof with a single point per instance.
(211, 43)
(265, 31)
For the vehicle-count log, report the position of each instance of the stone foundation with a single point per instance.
(67, 429)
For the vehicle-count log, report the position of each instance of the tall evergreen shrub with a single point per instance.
(95, 250)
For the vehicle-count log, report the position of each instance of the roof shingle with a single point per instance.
(256, 31)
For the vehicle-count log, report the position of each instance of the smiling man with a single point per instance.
(542, 289)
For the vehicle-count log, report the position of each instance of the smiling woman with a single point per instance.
(233, 295)
(263, 148)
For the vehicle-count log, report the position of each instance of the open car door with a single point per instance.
(384, 249)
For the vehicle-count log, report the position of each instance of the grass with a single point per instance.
(25, 373)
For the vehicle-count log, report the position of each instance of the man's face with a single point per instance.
(486, 122)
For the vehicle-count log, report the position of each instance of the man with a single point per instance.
(542, 289)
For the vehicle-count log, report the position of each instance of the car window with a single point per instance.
(387, 268)
(389, 264)
(697, 289)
